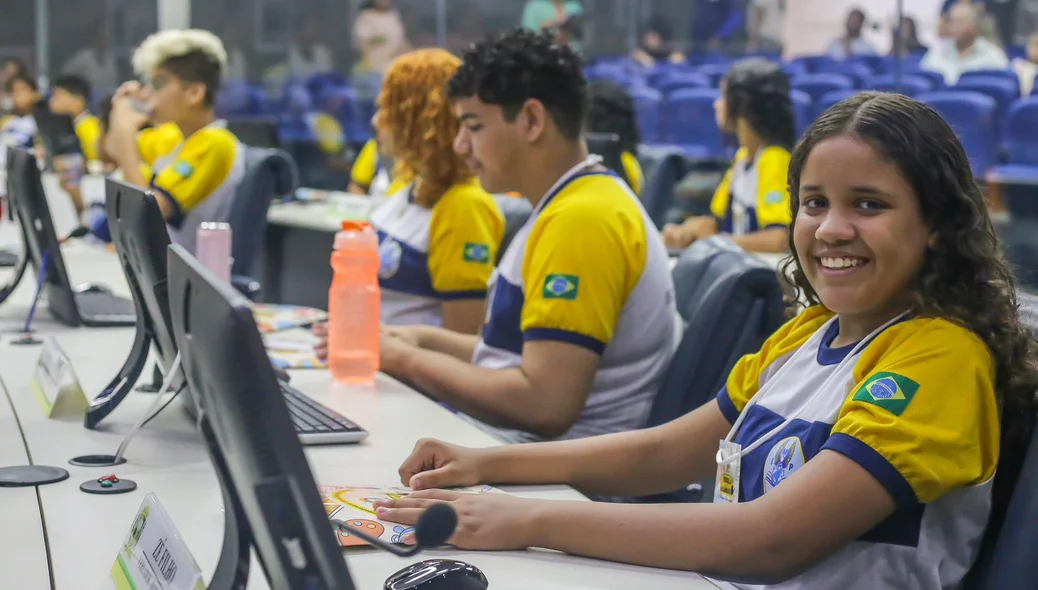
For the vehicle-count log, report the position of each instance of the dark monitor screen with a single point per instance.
(58, 133)
(257, 132)
(240, 401)
(141, 241)
(607, 145)
(29, 203)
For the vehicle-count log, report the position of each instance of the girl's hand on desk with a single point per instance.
(492, 522)
(436, 464)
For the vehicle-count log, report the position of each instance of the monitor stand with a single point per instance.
(126, 378)
(232, 570)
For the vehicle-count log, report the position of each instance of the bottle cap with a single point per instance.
(353, 225)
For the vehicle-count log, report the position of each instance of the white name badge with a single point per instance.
(726, 488)
(55, 384)
(154, 556)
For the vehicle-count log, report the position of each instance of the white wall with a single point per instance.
(174, 14)
(812, 24)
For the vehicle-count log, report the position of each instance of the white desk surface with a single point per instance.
(168, 458)
(23, 564)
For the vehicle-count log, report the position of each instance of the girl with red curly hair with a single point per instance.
(439, 236)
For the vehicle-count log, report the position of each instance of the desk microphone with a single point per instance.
(79, 232)
(435, 526)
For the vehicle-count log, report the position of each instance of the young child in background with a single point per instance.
(71, 96)
(612, 111)
(752, 201)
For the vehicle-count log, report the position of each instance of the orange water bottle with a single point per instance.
(354, 305)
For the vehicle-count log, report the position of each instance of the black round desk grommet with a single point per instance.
(121, 486)
(30, 475)
(96, 461)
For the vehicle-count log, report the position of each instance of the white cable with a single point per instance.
(151, 411)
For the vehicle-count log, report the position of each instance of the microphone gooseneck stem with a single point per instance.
(379, 543)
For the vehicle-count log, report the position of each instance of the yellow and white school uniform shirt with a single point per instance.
(200, 177)
(754, 194)
(633, 171)
(88, 130)
(589, 269)
(916, 408)
(16, 131)
(432, 255)
(331, 139)
(371, 172)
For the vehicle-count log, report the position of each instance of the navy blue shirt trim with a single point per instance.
(876, 464)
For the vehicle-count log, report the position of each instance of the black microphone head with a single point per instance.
(79, 232)
(435, 526)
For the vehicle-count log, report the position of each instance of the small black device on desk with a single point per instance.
(271, 502)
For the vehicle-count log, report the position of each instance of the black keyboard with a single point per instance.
(101, 307)
(317, 424)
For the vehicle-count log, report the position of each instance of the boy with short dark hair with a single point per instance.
(581, 322)
(71, 96)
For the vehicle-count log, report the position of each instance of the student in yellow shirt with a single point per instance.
(71, 96)
(197, 180)
(372, 172)
(752, 201)
(438, 234)
(612, 111)
(869, 441)
(581, 322)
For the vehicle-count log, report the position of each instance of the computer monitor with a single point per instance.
(29, 203)
(607, 145)
(266, 476)
(141, 242)
(58, 133)
(260, 132)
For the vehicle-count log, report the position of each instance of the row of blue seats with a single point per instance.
(992, 137)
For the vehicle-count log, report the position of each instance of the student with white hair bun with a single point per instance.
(196, 178)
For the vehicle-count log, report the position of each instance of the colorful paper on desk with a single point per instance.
(355, 506)
(271, 317)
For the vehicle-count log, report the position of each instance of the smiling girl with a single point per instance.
(860, 445)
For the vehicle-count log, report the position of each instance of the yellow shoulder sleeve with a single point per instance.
(364, 165)
(465, 234)
(202, 165)
(773, 188)
(922, 417)
(633, 171)
(584, 256)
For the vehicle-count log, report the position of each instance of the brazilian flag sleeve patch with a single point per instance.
(890, 391)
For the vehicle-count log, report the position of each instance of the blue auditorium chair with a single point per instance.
(1010, 549)
(1020, 145)
(803, 110)
(817, 85)
(910, 84)
(689, 122)
(648, 106)
(973, 116)
(681, 80)
(1004, 91)
(731, 301)
(830, 98)
(855, 70)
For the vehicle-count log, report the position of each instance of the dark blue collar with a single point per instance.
(548, 198)
(827, 355)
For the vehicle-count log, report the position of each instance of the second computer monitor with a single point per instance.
(240, 401)
(141, 241)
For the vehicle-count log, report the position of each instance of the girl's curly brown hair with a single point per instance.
(414, 111)
(964, 277)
